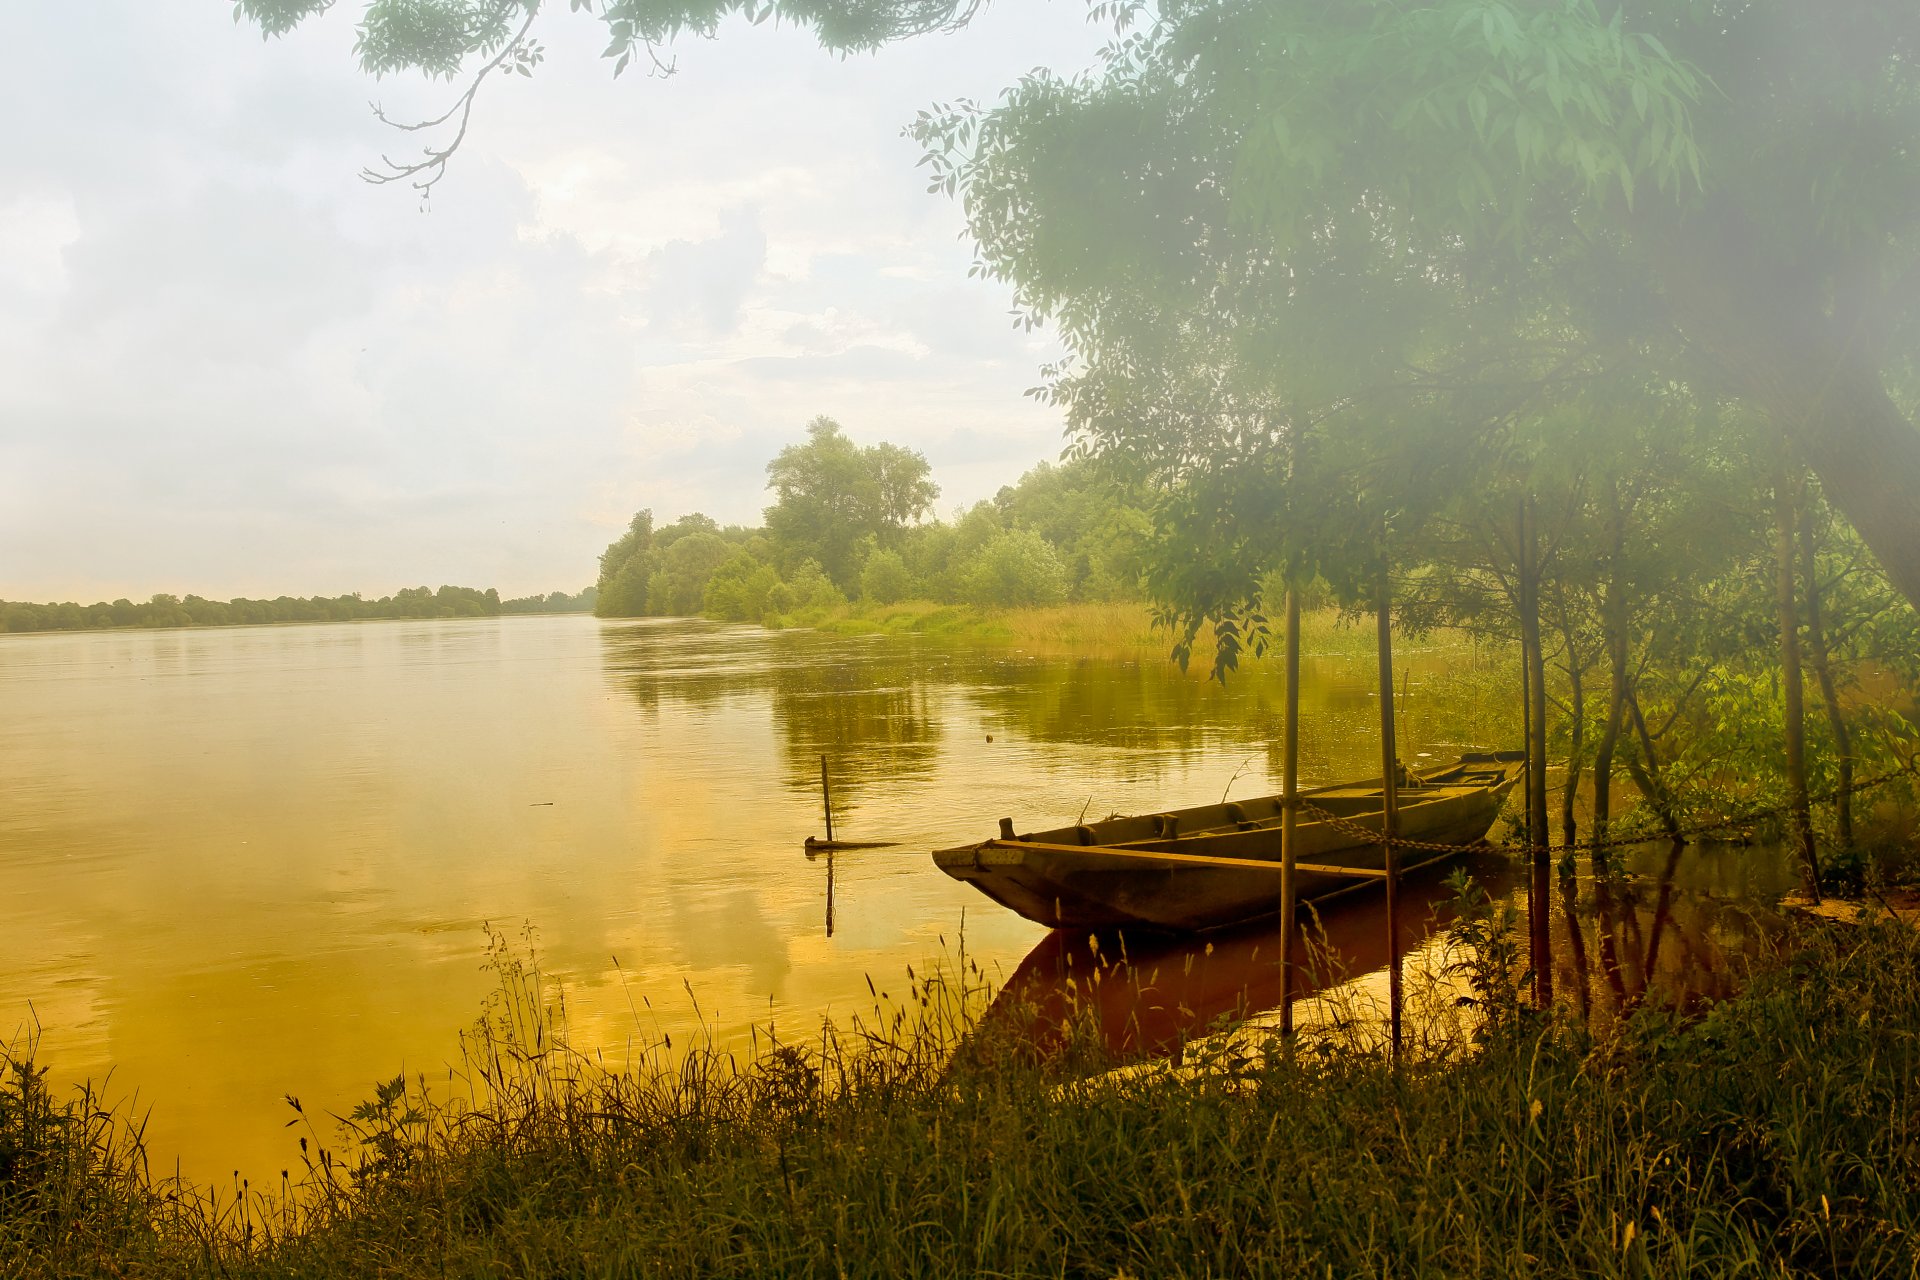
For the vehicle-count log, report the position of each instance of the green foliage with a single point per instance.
(832, 497)
(625, 567)
(741, 589)
(809, 594)
(884, 579)
(165, 610)
(1014, 569)
(678, 587)
(553, 602)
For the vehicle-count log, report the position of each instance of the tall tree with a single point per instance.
(833, 498)
(625, 567)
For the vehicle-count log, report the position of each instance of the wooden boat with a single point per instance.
(1219, 864)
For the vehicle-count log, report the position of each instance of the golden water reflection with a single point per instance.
(248, 862)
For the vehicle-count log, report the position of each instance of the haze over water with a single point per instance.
(243, 863)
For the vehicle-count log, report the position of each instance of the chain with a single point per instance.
(1369, 835)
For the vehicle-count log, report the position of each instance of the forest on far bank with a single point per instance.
(854, 523)
(196, 611)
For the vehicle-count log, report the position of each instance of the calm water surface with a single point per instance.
(243, 863)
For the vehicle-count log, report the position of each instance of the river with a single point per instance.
(243, 863)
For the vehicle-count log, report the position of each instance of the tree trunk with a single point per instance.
(1645, 772)
(1795, 733)
(1576, 746)
(1822, 663)
(1613, 622)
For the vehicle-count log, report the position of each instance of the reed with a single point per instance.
(1775, 1132)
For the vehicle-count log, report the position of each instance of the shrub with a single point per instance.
(1016, 567)
(740, 590)
(884, 579)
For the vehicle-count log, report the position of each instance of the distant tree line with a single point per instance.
(855, 523)
(197, 611)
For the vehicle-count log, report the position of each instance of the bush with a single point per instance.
(740, 590)
(807, 595)
(884, 579)
(1015, 568)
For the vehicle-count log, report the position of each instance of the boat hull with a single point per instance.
(1215, 877)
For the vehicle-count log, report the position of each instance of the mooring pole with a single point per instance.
(826, 797)
(1389, 807)
(1289, 792)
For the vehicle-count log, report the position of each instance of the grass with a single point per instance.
(1776, 1133)
(1101, 628)
(1098, 629)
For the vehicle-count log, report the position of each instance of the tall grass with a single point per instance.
(1123, 628)
(1778, 1132)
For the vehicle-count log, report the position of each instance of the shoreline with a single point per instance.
(1509, 1141)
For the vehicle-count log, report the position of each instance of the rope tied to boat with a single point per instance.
(1753, 817)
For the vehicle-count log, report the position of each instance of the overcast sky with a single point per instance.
(228, 366)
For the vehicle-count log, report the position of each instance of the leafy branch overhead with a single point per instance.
(470, 41)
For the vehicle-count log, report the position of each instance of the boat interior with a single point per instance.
(1352, 799)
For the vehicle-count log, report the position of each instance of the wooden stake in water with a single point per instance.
(1289, 791)
(826, 797)
(1389, 809)
(826, 801)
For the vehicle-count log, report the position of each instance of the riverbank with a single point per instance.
(1103, 629)
(1774, 1131)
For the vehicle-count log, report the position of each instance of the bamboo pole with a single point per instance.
(1289, 792)
(1389, 807)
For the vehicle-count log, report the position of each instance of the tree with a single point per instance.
(832, 495)
(625, 567)
(1734, 180)
(740, 589)
(1015, 568)
(1738, 176)
(678, 587)
(884, 579)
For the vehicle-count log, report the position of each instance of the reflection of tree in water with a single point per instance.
(1666, 925)
(685, 660)
(873, 719)
(868, 705)
(1151, 705)
(1105, 703)
(876, 706)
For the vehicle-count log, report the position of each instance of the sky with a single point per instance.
(230, 367)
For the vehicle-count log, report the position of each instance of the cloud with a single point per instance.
(700, 285)
(229, 366)
(35, 230)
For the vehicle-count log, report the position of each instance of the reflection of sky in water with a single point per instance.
(248, 862)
